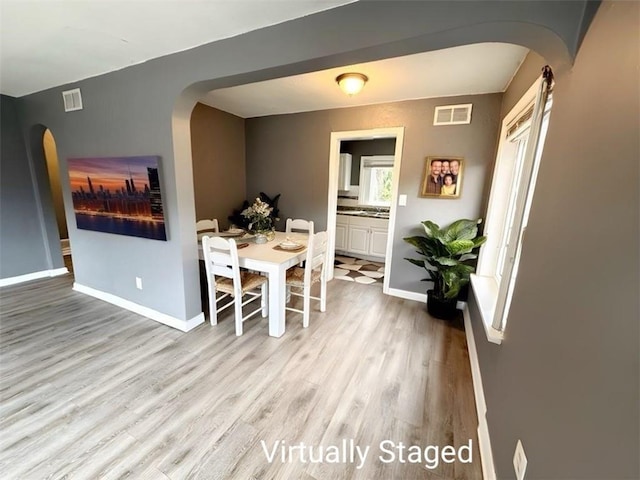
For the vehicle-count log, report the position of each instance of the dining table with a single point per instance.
(273, 260)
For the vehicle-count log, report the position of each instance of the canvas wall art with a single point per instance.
(118, 195)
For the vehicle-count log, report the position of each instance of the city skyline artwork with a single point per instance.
(119, 195)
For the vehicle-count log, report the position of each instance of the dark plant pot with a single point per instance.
(441, 308)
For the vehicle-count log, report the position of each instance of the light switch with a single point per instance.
(402, 200)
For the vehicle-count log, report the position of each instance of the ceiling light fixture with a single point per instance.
(351, 83)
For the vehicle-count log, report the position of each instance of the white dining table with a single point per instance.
(274, 262)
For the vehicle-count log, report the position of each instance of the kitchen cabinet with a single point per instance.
(378, 245)
(362, 235)
(344, 172)
(342, 223)
(358, 239)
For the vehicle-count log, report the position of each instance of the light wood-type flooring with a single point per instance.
(90, 391)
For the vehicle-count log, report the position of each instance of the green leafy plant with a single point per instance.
(447, 253)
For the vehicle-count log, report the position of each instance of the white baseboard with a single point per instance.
(183, 325)
(33, 276)
(484, 441)
(418, 297)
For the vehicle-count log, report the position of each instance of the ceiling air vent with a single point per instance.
(72, 100)
(452, 114)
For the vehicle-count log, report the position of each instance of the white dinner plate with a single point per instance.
(290, 245)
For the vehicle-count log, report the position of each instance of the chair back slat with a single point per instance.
(300, 225)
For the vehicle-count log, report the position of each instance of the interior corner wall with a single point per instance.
(22, 249)
(565, 380)
(289, 155)
(218, 153)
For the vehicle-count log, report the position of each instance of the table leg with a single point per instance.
(277, 299)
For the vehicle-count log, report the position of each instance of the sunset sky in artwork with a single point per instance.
(111, 172)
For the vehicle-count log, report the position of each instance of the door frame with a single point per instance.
(334, 165)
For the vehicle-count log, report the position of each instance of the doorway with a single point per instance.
(53, 171)
(337, 138)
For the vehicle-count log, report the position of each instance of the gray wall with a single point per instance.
(217, 146)
(565, 379)
(289, 154)
(358, 148)
(23, 248)
(146, 108)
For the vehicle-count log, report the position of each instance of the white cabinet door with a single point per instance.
(378, 244)
(359, 239)
(341, 237)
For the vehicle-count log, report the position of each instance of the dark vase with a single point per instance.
(441, 308)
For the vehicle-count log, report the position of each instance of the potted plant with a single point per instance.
(448, 253)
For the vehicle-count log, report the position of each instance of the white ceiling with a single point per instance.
(470, 69)
(46, 43)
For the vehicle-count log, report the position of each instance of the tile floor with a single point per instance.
(357, 270)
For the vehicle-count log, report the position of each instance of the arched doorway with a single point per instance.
(53, 171)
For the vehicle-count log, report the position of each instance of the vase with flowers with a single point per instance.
(260, 221)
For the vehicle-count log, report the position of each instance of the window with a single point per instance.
(519, 152)
(376, 174)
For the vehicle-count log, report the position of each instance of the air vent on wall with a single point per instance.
(453, 114)
(72, 100)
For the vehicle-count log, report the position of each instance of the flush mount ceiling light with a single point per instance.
(351, 83)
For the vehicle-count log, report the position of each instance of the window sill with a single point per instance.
(485, 290)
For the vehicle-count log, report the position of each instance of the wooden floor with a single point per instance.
(90, 391)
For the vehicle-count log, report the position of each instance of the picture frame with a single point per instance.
(120, 195)
(449, 184)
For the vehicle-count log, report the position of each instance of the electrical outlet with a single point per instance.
(139, 283)
(519, 461)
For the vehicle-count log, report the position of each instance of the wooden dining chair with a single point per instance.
(203, 227)
(299, 224)
(224, 275)
(314, 271)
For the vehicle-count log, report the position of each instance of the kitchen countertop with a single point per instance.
(364, 213)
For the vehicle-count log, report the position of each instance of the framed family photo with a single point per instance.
(442, 177)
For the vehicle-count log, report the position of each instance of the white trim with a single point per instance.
(418, 297)
(485, 290)
(407, 295)
(334, 167)
(33, 276)
(484, 441)
(183, 325)
(487, 255)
